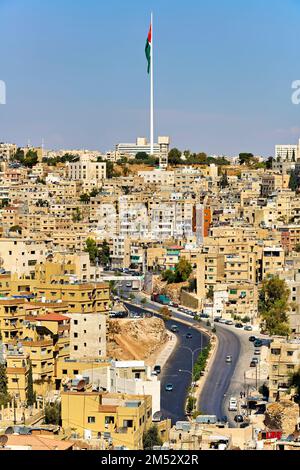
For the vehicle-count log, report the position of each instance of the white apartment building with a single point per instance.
(158, 176)
(161, 148)
(20, 256)
(133, 219)
(285, 157)
(87, 335)
(87, 170)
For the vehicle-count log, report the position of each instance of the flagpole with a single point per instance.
(151, 92)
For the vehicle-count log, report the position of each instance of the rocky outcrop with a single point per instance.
(282, 416)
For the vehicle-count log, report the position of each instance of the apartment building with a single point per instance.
(284, 360)
(87, 335)
(20, 256)
(120, 418)
(17, 371)
(86, 169)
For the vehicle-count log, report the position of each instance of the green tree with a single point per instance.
(293, 183)
(151, 438)
(297, 248)
(174, 156)
(183, 270)
(273, 306)
(224, 181)
(77, 217)
(104, 253)
(168, 276)
(31, 159)
(190, 404)
(246, 158)
(85, 198)
(210, 293)
(30, 393)
(269, 163)
(4, 395)
(92, 249)
(53, 413)
(142, 156)
(16, 228)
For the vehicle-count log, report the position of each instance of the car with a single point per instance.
(189, 336)
(222, 320)
(238, 419)
(169, 387)
(204, 315)
(224, 419)
(228, 358)
(254, 359)
(229, 322)
(174, 328)
(175, 304)
(238, 325)
(257, 343)
(157, 368)
(154, 373)
(248, 328)
(232, 404)
(257, 352)
(216, 319)
(252, 339)
(253, 364)
(128, 284)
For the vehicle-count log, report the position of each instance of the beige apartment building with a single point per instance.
(86, 169)
(88, 336)
(284, 360)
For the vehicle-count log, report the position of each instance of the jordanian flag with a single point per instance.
(148, 48)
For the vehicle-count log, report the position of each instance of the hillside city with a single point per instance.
(149, 301)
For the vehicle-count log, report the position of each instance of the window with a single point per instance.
(64, 371)
(127, 423)
(290, 353)
(109, 420)
(75, 348)
(91, 419)
(75, 335)
(75, 372)
(75, 322)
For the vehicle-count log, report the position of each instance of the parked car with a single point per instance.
(222, 320)
(189, 336)
(244, 425)
(232, 404)
(257, 352)
(204, 315)
(254, 359)
(248, 328)
(157, 368)
(228, 358)
(258, 343)
(229, 322)
(239, 325)
(252, 338)
(169, 388)
(253, 364)
(216, 319)
(238, 419)
(224, 419)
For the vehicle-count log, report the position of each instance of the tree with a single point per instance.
(293, 183)
(269, 163)
(31, 159)
(30, 393)
(297, 248)
(85, 198)
(210, 293)
(92, 249)
(174, 156)
(273, 306)
(224, 181)
(183, 270)
(142, 156)
(165, 313)
(151, 438)
(76, 217)
(4, 395)
(53, 413)
(16, 228)
(245, 158)
(104, 253)
(168, 276)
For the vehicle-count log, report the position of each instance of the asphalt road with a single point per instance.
(223, 379)
(173, 403)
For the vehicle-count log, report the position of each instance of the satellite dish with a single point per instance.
(80, 385)
(3, 440)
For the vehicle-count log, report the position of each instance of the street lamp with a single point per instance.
(192, 372)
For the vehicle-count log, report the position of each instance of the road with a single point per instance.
(173, 403)
(224, 380)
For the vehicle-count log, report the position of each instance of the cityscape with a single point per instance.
(149, 292)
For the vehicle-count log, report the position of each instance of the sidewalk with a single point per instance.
(167, 351)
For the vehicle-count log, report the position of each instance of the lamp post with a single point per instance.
(192, 372)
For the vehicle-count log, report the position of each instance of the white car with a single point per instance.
(232, 404)
(222, 320)
(228, 358)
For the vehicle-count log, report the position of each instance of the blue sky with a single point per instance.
(75, 72)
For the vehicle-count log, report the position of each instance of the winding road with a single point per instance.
(218, 382)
